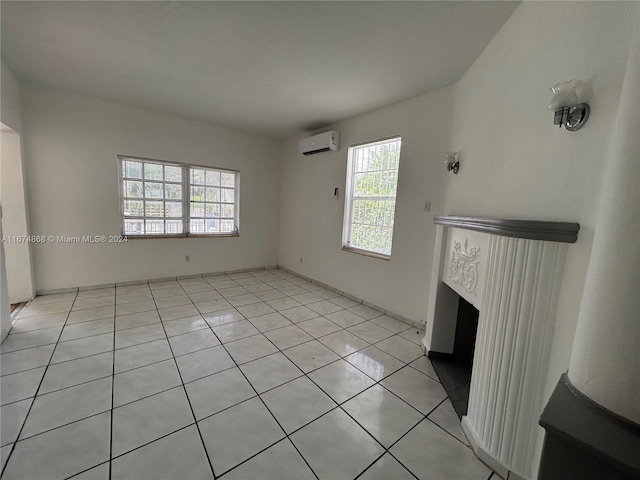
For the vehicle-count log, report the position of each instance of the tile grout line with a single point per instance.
(425, 417)
(35, 395)
(113, 386)
(376, 461)
(90, 468)
(444, 429)
(129, 451)
(59, 390)
(66, 425)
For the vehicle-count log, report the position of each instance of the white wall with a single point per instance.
(70, 146)
(311, 219)
(605, 361)
(10, 113)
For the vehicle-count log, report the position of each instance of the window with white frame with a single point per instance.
(161, 198)
(370, 199)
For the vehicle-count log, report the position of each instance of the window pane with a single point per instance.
(228, 195)
(172, 192)
(132, 169)
(372, 238)
(226, 226)
(368, 185)
(172, 174)
(213, 178)
(212, 226)
(389, 183)
(196, 226)
(133, 227)
(228, 179)
(154, 209)
(197, 194)
(386, 213)
(174, 226)
(212, 195)
(153, 190)
(213, 210)
(132, 189)
(197, 176)
(227, 211)
(374, 212)
(154, 227)
(152, 171)
(173, 209)
(197, 209)
(133, 208)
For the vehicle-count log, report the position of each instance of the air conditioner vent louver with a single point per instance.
(327, 149)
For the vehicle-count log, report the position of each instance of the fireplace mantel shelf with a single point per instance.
(565, 232)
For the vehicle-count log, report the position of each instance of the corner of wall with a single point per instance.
(10, 111)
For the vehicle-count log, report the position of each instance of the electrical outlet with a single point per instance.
(187, 258)
(427, 206)
(300, 259)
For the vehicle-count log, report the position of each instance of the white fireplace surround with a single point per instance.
(510, 270)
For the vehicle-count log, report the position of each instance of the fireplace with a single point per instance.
(510, 272)
(454, 369)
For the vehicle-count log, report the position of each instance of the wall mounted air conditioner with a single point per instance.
(323, 142)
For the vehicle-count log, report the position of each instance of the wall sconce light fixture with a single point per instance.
(568, 113)
(452, 162)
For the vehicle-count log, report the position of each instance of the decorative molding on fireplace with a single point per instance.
(565, 232)
(463, 266)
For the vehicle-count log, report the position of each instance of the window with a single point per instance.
(174, 199)
(370, 200)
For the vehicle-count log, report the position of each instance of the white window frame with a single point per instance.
(347, 227)
(186, 201)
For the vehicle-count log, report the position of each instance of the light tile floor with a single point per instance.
(258, 375)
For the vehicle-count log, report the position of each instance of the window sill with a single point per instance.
(366, 253)
(193, 235)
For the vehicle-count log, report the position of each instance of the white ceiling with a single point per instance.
(274, 68)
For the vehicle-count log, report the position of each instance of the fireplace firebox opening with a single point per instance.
(454, 369)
